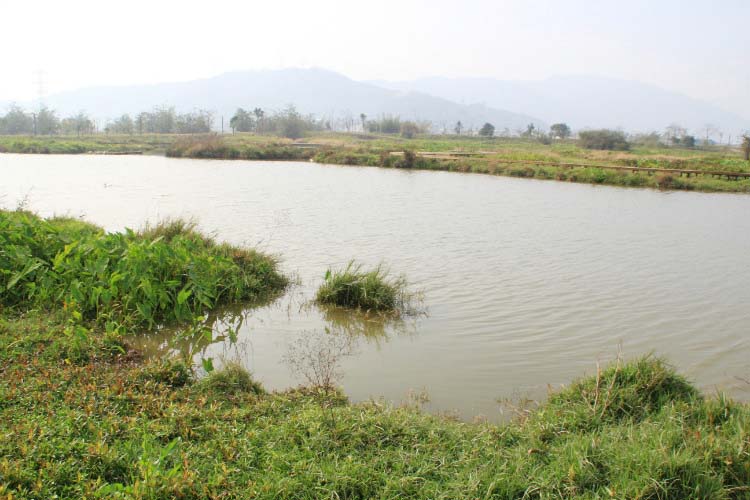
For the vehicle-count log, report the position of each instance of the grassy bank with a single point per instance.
(82, 415)
(113, 426)
(104, 143)
(494, 156)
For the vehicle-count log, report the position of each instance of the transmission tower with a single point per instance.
(39, 80)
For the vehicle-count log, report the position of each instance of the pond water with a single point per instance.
(527, 284)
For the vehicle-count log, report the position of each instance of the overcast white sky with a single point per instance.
(700, 48)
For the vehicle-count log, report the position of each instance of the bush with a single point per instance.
(409, 130)
(170, 372)
(409, 159)
(487, 130)
(604, 139)
(232, 379)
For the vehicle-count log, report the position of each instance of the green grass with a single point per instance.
(130, 280)
(369, 290)
(374, 150)
(84, 415)
(113, 426)
(85, 144)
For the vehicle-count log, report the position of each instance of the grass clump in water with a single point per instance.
(369, 290)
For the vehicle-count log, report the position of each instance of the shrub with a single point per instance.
(487, 130)
(170, 372)
(604, 139)
(409, 159)
(409, 130)
(232, 379)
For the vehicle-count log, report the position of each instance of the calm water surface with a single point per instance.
(527, 283)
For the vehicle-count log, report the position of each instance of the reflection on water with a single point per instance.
(528, 283)
(312, 356)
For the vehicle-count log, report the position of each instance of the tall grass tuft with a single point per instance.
(369, 290)
(231, 379)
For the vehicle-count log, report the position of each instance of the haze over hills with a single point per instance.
(584, 102)
(326, 94)
(580, 101)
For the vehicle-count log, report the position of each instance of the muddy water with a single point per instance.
(527, 283)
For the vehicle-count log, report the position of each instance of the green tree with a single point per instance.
(259, 115)
(242, 121)
(16, 121)
(363, 118)
(688, 141)
(79, 124)
(458, 128)
(746, 146)
(604, 139)
(487, 130)
(292, 125)
(409, 130)
(122, 125)
(47, 122)
(561, 130)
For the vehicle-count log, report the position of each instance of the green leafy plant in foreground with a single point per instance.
(167, 273)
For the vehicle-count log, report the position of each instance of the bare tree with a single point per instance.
(317, 356)
(674, 132)
(710, 130)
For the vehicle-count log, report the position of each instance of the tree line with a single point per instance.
(161, 120)
(44, 122)
(292, 124)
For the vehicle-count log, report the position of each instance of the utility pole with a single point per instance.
(222, 124)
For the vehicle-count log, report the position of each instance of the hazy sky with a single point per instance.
(700, 48)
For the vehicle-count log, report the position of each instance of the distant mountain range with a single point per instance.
(582, 102)
(324, 93)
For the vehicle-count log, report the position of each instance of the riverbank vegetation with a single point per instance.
(84, 415)
(115, 426)
(122, 281)
(711, 168)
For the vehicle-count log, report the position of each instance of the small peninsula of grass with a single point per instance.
(369, 290)
(129, 280)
